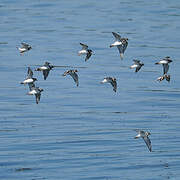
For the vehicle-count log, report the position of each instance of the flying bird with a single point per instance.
(29, 78)
(35, 91)
(120, 43)
(144, 135)
(137, 64)
(85, 51)
(73, 74)
(112, 81)
(25, 47)
(165, 62)
(45, 69)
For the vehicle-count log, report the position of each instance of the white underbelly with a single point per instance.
(82, 52)
(43, 68)
(22, 50)
(28, 81)
(133, 66)
(117, 43)
(32, 92)
(163, 62)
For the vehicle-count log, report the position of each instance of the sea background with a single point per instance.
(87, 132)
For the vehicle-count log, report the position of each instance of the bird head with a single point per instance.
(35, 79)
(147, 133)
(47, 63)
(40, 89)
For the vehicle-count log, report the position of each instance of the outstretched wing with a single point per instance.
(88, 55)
(45, 73)
(121, 51)
(148, 143)
(38, 96)
(31, 86)
(75, 77)
(84, 46)
(139, 131)
(117, 36)
(124, 45)
(138, 68)
(136, 61)
(165, 68)
(25, 45)
(114, 85)
(29, 73)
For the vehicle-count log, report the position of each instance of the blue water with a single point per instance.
(87, 132)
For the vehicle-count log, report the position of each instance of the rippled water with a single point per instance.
(88, 132)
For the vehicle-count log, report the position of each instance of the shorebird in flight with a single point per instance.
(25, 47)
(144, 135)
(165, 62)
(85, 51)
(112, 81)
(73, 74)
(120, 43)
(35, 91)
(45, 69)
(137, 64)
(29, 78)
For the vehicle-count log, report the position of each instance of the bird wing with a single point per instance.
(114, 85)
(25, 45)
(84, 46)
(88, 55)
(38, 96)
(124, 45)
(138, 68)
(139, 131)
(31, 86)
(117, 36)
(136, 61)
(29, 73)
(45, 73)
(148, 143)
(75, 77)
(165, 68)
(122, 48)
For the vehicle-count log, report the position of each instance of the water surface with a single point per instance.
(87, 133)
